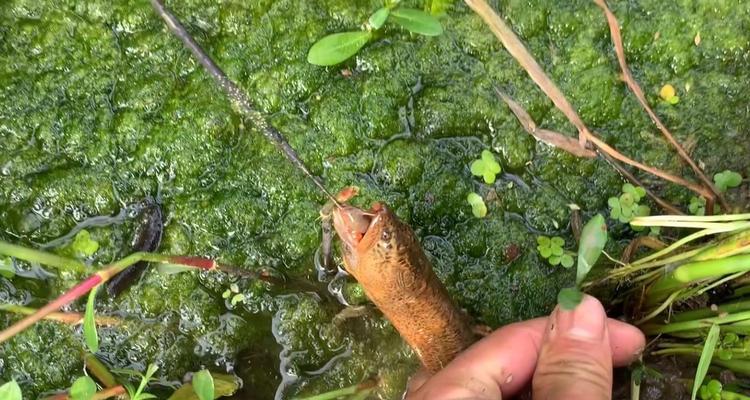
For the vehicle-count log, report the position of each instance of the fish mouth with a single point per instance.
(353, 224)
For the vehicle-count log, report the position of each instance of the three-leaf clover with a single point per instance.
(486, 167)
(478, 208)
(726, 180)
(552, 250)
(697, 205)
(669, 94)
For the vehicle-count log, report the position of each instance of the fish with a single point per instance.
(146, 237)
(384, 255)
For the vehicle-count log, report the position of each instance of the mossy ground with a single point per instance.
(100, 107)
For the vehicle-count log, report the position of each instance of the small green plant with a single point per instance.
(338, 47)
(139, 394)
(81, 246)
(712, 339)
(10, 391)
(486, 167)
(727, 180)
(234, 293)
(478, 208)
(669, 94)
(711, 390)
(83, 388)
(552, 250)
(590, 247)
(203, 385)
(727, 343)
(697, 205)
(89, 322)
(627, 206)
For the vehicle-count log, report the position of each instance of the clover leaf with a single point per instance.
(669, 94)
(697, 206)
(486, 167)
(711, 390)
(552, 250)
(726, 180)
(625, 207)
(478, 208)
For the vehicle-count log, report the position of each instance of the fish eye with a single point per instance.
(386, 235)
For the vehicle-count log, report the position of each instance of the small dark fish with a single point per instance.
(146, 238)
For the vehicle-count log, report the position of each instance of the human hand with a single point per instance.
(568, 355)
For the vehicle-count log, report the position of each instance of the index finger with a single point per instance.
(504, 362)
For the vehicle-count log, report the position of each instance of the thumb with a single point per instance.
(575, 361)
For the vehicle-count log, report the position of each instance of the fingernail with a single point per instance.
(586, 322)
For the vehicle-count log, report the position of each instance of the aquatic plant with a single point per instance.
(669, 94)
(83, 388)
(478, 208)
(552, 250)
(590, 247)
(203, 385)
(697, 206)
(338, 47)
(727, 180)
(486, 167)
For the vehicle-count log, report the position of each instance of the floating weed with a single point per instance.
(338, 47)
(669, 94)
(727, 180)
(552, 250)
(486, 167)
(711, 390)
(697, 206)
(626, 206)
(81, 246)
(478, 208)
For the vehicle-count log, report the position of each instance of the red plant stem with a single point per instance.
(100, 277)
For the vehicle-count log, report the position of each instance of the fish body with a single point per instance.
(386, 258)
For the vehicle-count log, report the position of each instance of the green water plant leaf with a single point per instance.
(569, 298)
(203, 384)
(705, 360)
(697, 205)
(727, 180)
(590, 246)
(224, 385)
(10, 391)
(478, 208)
(336, 48)
(84, 388)
(417, 21)
(7, 270)
(89, 323)
(486, 167)
(378, 18)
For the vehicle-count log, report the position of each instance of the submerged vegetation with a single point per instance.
(93, 123)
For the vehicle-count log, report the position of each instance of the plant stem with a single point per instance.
(711, 312)
(41, 257)
(99, 370)
(656, 329)
(696, 271)
(70, 318)
(368, 386)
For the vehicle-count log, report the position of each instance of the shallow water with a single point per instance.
(100, 108)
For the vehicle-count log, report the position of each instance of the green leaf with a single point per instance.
(237, 298)
(558, 241)
(674, 100)
(10, 391)
(89, 324)
(642, 211)
(566, 260)
(490, 163)
(543, 241)
(417, 21)
(478, 208)
(628, 188)
(486, 167)
(705, 360)
(613, 202)
(545, 252)
(203, 384)
(378, 18)
(477, 168)
(224, 385)
(727, 179)
(557, 251)
(724, 354)
(7, 270)
(626, 200)
(591, 245)
(337, 47)
(83, 388)
(569, 298)
(714, 386)
(554, 260)
(639, 193)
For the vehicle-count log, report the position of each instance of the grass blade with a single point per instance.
(706, 355)
(89, 323)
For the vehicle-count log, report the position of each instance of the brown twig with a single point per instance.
(614, 30)
(515, 47)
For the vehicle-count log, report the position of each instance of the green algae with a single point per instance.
(101, 107)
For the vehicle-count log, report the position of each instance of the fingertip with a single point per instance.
(627, 342)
